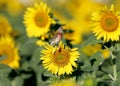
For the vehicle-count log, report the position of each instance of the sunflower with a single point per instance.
(60, 59)
(83, 17)
(5, 27)
(105, 53)
(65, 82)
(90, 50)
(9, 52)
(37, 20)
(14, 7)
(76, 32)
(105, 24)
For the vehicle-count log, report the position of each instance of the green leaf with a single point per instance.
(40, 82)
(86, 68)
(4, 81)
(47, 73)
(96, 60)
(107, 66)
(27, 48)
(87, 79)
(86, 63)
(24, 76)
(36, 56)
(4, 69)
(118, 75)
(25, 65)
(17, 80)
(117, 61)
(91, 39)
(39, 69)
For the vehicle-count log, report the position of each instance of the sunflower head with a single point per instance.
(9, 51)
(105, 24)
(105, 53)
(60, 59)
(37, 20)
(90, 50)
(65, 82)
(109, 22)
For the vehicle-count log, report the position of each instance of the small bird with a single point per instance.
(57, 37)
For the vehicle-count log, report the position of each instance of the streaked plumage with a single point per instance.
(57, 37)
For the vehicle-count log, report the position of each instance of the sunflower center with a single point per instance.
(61, 58)
(3, 52)
(109, 22)
(7, 55)
(41, 19)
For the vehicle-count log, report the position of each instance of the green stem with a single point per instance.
(115, 72)
(114, 69)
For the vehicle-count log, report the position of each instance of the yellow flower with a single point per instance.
(105, 24)
(89, 80)
(37, 20)
(76, 35)
(65, 82)
(105, 53)
(9, 51)
(83, 17)
(89, 50)
(14, 7)
(5, 27)
(116, 3)
(59, 60)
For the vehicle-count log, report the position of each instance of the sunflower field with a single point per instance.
(59, 43)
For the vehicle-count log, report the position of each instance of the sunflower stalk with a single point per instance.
(115, 72)
(114, 67)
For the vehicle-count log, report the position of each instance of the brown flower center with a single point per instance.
(109, 22)
(41, 19)
(7, 56)
(61, 57)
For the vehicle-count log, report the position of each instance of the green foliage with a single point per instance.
(4, 71)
